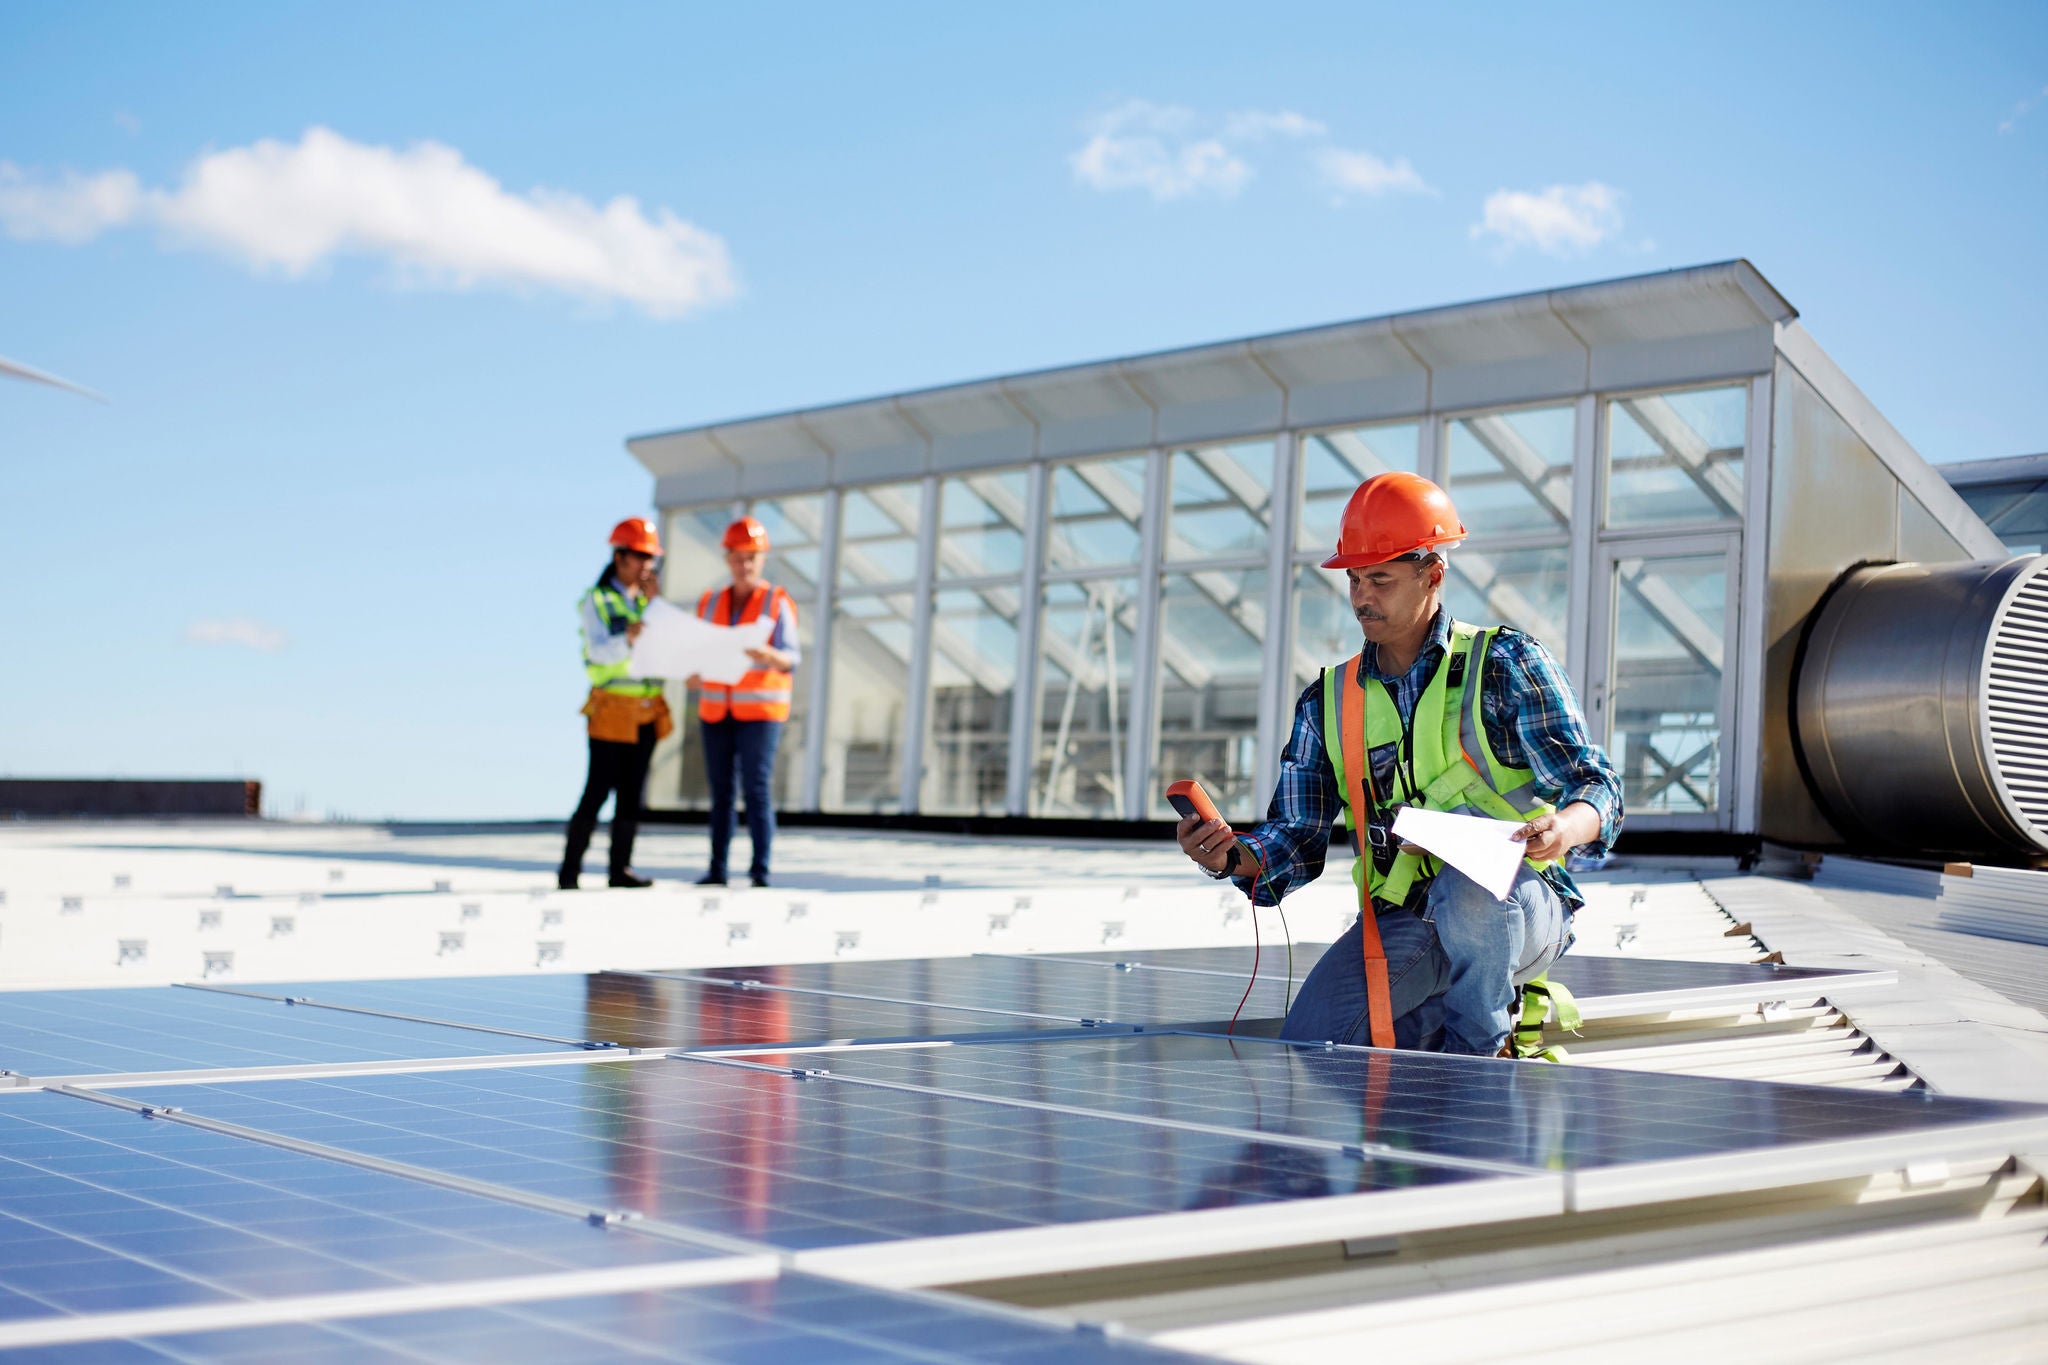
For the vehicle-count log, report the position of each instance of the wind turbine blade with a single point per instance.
(16, 370)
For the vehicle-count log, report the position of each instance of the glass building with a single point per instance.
(1050, 594)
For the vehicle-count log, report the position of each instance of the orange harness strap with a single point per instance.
(1379, 1004)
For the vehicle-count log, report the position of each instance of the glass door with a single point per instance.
(1663, 696)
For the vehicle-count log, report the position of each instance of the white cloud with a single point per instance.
(1169, 151)
(1563, 220)
(2020, 110)
(1253, 124)
(71, 209)
(1144, 146)
(237, 630)
(435, 219)
(1354, 171)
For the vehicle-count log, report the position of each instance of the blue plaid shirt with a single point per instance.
(1532, 721)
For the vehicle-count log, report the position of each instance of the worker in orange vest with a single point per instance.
(741, 724)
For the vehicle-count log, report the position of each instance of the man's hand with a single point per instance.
(693, 682)
(1550, 836)
(769, 657)
(1208, 842)
(633, 631)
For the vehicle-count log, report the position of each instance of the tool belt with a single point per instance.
(617, 719)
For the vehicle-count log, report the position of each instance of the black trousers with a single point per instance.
(614, 767)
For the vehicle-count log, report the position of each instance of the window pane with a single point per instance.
(871, 640)
(981, 525)
(1670, 629)
(1210, 626)
(1675, 457)
(1097, 506)
(1526, 589)
(796, 528)
(1326, 633)
(878, 535)
(974, 669)
(1512, 471)
(692, 559)
(1084, 698)
(1221, 500)
(1334, 463)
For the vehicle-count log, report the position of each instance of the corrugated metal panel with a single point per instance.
(1930, 1288)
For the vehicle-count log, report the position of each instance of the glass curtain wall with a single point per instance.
(1670, 496)
(874, 623)
(973, 671)
(1088, 618)
(1333, 464)
(1510, 475)
(1674, 469)
(1212, 618)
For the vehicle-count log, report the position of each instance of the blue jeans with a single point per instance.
(1451, 970)
(748, 745)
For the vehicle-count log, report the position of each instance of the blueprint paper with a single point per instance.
(675, 643)
(1478, 847)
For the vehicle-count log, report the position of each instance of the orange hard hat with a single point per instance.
(746, 534)
(636, 533)
(1392, 515)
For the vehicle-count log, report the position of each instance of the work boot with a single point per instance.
(712, 878)
(760, 879)
(627, 877)
(565, 880)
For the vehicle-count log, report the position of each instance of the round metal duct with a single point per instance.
(1921, 707)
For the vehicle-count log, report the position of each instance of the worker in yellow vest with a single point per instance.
(742, 724)
(627, 715)
(1444, 715)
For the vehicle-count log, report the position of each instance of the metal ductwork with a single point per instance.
(1921, 708)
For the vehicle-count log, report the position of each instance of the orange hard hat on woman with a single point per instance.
(637, 534)
(746, 534)
(1393, 515)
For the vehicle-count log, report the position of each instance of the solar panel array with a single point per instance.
(775, 1161)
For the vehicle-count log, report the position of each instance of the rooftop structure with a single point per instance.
(1048, 594)
(2010, 494)
(929, 1102)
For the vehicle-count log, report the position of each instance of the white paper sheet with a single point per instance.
(676, 644)
(1478, 847)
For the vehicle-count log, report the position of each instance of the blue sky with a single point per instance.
(369, 395)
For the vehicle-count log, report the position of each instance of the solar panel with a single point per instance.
(803, 1164)
(169, 1028)
(648, 1010)
(1045, 988)
(1620, 1134)
(1605, 987)
(793, 1318)
(101, 1210)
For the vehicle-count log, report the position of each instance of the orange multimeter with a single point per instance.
(1187, 797)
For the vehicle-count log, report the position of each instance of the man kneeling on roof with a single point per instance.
(1437, 713)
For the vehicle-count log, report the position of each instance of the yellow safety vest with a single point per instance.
(1448, 763)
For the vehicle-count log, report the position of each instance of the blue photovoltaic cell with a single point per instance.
(1587, 976)
(1539, 1117)
(1042, 986)
(636, 1009)
(169, 1028)
(791, 1320)
(103, 1210)
(797, 1163)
